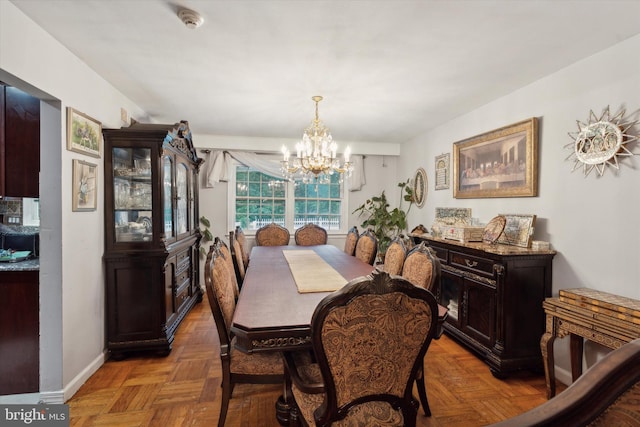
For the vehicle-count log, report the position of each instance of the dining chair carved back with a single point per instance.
(242, 239)
(236, 256)
(422, 268)
(310, 235)
(237, 367)
(394, 257)
(375, 324)
(222, 247)
(351, 241)
(272, 235)
(367, 247)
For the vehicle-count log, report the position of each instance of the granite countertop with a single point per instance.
(32, 264)
(497, 249)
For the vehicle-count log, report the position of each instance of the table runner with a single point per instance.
(312, 273)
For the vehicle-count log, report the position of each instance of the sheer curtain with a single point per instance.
(217, 167)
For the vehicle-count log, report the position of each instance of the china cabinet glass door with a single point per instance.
(167, 197)
(182, 198)
(133, 198)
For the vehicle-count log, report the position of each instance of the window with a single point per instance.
(259, 199)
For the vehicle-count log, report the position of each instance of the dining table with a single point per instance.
(274, 310)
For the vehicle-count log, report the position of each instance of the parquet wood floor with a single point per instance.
(183, 389)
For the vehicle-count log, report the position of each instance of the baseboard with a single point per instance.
(563, 375)
(52, 397)
(75, 384)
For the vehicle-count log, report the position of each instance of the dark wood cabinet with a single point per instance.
(151, 234)
(494, 294)
(19, 143)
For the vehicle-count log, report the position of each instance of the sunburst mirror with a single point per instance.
(600, 141)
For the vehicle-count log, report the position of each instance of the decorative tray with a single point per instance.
(14, 256)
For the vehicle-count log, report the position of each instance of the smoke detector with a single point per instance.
(190, 18)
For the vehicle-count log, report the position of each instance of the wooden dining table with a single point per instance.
(271, 314)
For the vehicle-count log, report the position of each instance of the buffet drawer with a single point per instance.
(478, 265)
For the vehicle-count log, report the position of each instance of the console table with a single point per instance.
(494, 294)
(582, 313)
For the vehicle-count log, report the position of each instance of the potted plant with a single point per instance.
(385, 223)
(206, 236)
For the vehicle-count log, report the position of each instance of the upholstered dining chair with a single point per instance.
(351, 241)
(394, 257)
(222, 247)
(242, 239)
(367, 247)
(423, 269)
(237, 367)
(369, 339)
(607, 394)
(272, 235)
(236, 256)
(310, 235)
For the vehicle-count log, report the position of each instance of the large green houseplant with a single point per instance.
(386, 223)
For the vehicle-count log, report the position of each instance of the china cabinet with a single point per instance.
(151, 234)
(494, 294)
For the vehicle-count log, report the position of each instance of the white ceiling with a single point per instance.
(388, 70)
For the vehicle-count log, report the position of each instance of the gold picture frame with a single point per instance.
(499, 163)
(84, 186)
(442, 180)
(84, 133)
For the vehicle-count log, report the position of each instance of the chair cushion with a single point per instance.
(255, 363)
(310, 235)
(365, 249)
(623, 412)
(350, 242)
(272, 235)
(365, 415)
(394, 259)
(352, 337)
(418, 269)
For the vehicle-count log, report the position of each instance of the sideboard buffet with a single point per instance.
(494, 294)
(152, 237)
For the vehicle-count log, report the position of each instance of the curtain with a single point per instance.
(217, 167)
(357, 179)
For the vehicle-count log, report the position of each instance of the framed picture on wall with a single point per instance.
(443, 162)
(499, 163)
(420, 187)
(84, 134)
(84, 186)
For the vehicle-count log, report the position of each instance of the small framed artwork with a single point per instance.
(84, 186)
(518, 230)
(499, 163)
(420, 187)
(84, 134)
(442, 171)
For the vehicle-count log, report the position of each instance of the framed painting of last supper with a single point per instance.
(499, 163)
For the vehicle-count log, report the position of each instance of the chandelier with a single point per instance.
(315, 158)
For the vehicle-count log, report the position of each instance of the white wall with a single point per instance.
(71, 274)
(591, 221)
